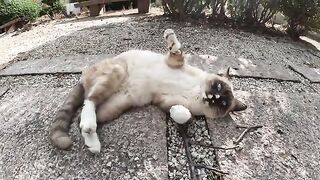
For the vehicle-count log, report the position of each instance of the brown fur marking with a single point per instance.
(175, 60)
(103, 79)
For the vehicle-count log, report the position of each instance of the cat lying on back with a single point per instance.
(138, 78)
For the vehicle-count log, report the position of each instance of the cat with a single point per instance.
(137, 78)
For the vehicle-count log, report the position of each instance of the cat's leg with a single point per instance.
(103, 87)
(165, 102)
(175, 58)
(113, 107)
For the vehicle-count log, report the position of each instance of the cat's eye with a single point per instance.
(224, 103)
(219, 87)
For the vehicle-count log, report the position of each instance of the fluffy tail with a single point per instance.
(60, 128)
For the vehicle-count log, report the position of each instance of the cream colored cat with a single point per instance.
(137, 78)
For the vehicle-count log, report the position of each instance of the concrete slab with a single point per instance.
(63, 64)
(133, 146)
(75, 64)
(287, 147)
(243, 67)
(313, 74)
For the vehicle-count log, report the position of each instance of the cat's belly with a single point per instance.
(148, 75)
(144, 85)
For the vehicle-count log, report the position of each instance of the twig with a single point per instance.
(4, 92)
(212, 146)
(252, 127)
(245, 132)
(210, 168)
(183, 133)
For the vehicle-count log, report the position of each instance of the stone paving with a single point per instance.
(240, 67)
(66, 64)
(244, 68)
(312, 74)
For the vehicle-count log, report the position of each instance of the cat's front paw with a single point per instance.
(88, 122)
(88, 126)
(92, 142)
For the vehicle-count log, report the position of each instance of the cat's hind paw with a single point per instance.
(173, 44)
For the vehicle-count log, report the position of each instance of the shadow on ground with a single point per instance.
(287, 147)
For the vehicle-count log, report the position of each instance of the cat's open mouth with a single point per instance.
(210, 98)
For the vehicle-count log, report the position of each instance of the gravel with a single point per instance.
(179, 165)
(43, 81)
(14, 44)
(146, 33)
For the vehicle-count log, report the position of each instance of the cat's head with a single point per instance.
(218, 96)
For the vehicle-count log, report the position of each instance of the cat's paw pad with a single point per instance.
(95, 149)
(172, 42)
(92, 142)
(167, 33)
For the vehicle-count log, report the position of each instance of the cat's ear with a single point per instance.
(227, 73)
(238, 105)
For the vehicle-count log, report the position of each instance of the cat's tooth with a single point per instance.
(217, 96)
(210, 96)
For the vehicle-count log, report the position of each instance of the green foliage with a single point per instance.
(18, 8)
(302, 15)
(242, 12)
(53, 7)
(218, 8)
(252, 13)
(185, 8)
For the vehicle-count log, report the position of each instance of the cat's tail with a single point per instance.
(59, 130)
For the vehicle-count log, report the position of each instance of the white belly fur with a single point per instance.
(149, 75)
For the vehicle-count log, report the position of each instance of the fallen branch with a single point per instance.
(210, 168)
(212, 146)
(239, 139)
